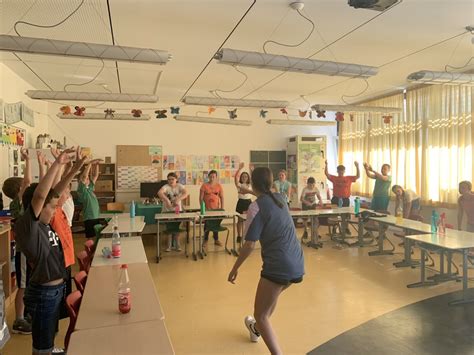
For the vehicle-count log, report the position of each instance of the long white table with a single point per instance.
(126, 225)
(452, 240)
(132, 251)
(176, 217)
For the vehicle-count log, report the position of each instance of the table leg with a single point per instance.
(407, 261)
(201, 238)
(422, 282)
(380, 250)
(234, 247)
(360, 235)
(465, 298)
(194, 240)
(158, 241)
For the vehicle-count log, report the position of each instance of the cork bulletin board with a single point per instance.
(138, 163)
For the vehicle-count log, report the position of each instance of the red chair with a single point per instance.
(84, 261)
(89, 247)
(73, 302)
(80, 279)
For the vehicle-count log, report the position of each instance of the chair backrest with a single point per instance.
(84, 261)
(213, 224)
(89, 247)
(80, 279)
(115, 206)
(73, 303)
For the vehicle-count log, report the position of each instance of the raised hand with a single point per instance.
(366, 166)
(24, 154)
(241, 165)
(356, 164)
(41, 157)
(65, 156)
(55, 152)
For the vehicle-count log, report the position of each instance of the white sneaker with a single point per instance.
(250, 324)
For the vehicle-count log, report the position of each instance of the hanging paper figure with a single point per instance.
(210, 109)
(369, 121)
(79, 111)
(263, 113)
(65, 110)
(339, 116)
(109, 113)
(232, 114)
(321, 113)
(351, 117)
(284, 111)
(136, 112)
(310, 115)
(387, 119)
(174, 110)
(161, 113)
(302, 113)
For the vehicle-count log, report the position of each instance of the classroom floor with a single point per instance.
(342, 289)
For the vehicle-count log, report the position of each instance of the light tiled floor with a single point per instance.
(204, 313)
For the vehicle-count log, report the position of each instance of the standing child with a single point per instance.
(213, 196)
(90, 204)
(242, 183)
(466, 205)
(43, 250)
(341, 184)
(408, 200)
(269, 221)
(172, 194)
(283, 186)
(381, 195)
(308, 202)
(14, 188)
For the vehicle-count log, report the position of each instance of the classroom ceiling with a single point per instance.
(193, 30)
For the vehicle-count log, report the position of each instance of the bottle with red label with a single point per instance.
(124, 296)
(116, 246)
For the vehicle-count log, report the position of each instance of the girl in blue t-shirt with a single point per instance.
(269, 221)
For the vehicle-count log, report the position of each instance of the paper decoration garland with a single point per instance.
(136, 112)
(321, 113)
(109, 113)
(263, 113)
(174, 110)
(79, 111)
(210, 109)
(161, 113)
(339, 116)
(232, 114)
(302, 113)
(284, 111)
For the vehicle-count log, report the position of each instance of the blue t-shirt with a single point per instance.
(273, 226)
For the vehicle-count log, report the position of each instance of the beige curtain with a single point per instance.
(429, 145)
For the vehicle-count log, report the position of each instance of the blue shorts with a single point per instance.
(43, 304)
(22, 270)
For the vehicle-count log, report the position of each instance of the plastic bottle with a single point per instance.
(116, 246)
(176, 209)
(115, 220)
(132, 209)
(434, 221)
(124, 295)
(442, 223)
(399, 214)
(203, 208)
(357, 206)
(339, 202)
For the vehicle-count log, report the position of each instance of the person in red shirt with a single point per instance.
(341, 184)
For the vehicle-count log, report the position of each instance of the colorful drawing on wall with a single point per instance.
(180, 162)
(189, 178)
(155, 160)
(181, 177)
(168, 162)
(228, 176)
(234, 162)
(2, 116)
(12, 135)
(155, 150)
(310, 158)
(12, 113)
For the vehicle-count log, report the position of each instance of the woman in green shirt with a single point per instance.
(381, 195)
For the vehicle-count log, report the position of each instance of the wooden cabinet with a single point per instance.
(105, 185)
(9, 284)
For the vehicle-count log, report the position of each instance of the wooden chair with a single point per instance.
(115, 207)
(73, 303)
(80, 279)
(84, 261)
(89, 247)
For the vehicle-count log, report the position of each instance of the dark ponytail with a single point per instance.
(262, 180)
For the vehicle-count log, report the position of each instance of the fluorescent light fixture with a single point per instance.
(441, 77)
(355, 108)
(301, 122)
(102, 116)
(89, 96)
(216, 120)
(82, 49)
(215, 101)
(284, 63)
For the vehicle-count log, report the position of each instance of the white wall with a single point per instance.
(12, 89)
(188, 138)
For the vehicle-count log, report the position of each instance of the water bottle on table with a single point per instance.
(124, 295)
(399, 214)
(116, 245)
(357, 206)
(132, 209)
(339, 202)
(434, 221)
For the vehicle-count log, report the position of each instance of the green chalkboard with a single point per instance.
(259, 156)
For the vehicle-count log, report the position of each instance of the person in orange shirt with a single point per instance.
(213, 196)
(341, 183)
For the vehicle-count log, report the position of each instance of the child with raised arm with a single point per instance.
(87, 197)
(341, 183)
(172, 194)
(43, 250)
(244, 190)
(381, 194)
(213, 196)
(14, 189)
(466, 205)
(308, 202)
(283, 186)
(269, 221)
